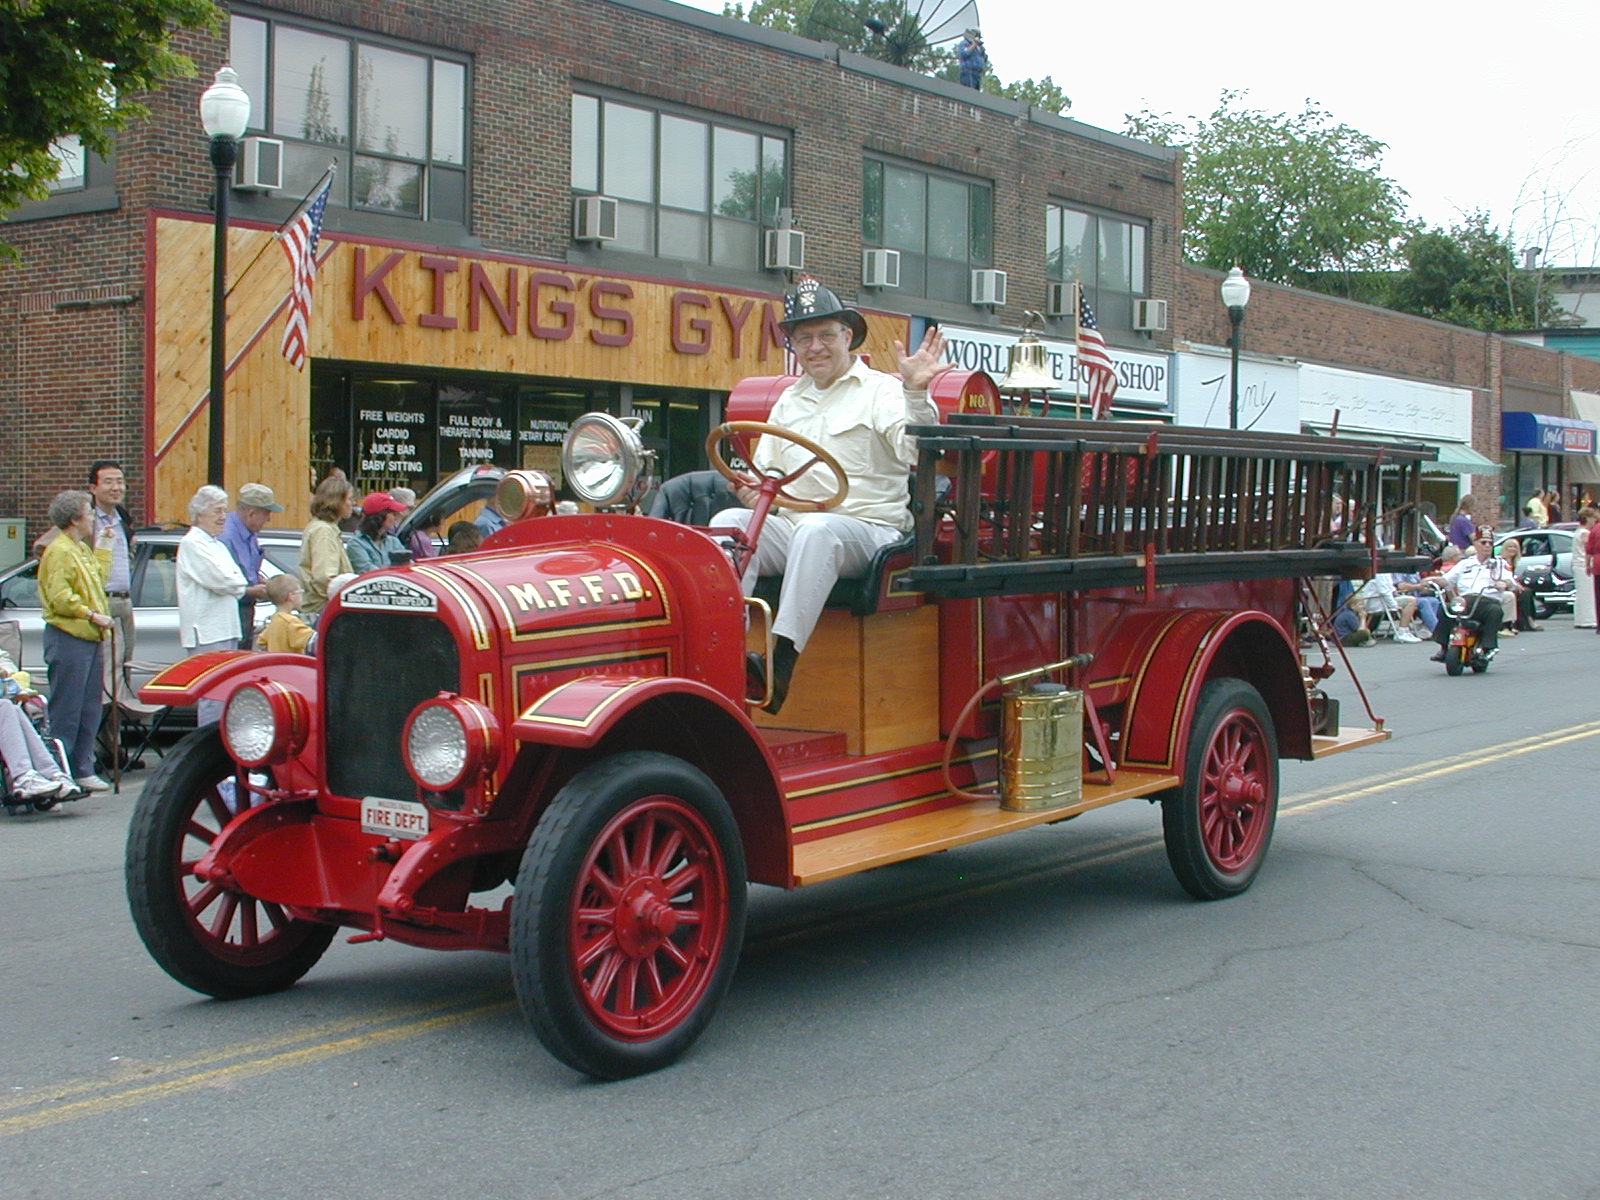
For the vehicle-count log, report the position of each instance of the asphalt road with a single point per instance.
(1405, 1005)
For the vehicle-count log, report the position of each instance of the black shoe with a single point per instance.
(783, 659)
(1439, 657)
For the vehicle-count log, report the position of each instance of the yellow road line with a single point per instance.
(143, 1071)
(130, 1096)
(265, 1056)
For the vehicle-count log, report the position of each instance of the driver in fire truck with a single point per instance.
(860, 416)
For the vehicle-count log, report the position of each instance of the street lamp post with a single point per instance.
(225, 114)
(1235, 294)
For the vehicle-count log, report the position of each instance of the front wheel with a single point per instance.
(629, 914)
(1455, 660)
(1219, 822)
(210, 936)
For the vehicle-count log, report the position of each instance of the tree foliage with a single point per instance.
(1469, 275)
(892, 31)
(1284, 196)
(70, 67)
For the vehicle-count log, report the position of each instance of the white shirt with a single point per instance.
(1472, 578)
(209, 586)
(861, 420)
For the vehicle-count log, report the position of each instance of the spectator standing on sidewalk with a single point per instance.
(1583, 606)
(249, 517)
(77, 614)
(109, 486)
(209, 586)
(1462, 526)
(322, 553)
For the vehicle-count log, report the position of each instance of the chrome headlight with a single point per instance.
(449, 742)
(265, 722)
(601, 458)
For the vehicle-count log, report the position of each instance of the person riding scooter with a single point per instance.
(1483, 578)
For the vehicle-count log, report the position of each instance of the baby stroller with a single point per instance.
(32, 708)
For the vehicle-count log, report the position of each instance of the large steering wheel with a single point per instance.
(773, 485)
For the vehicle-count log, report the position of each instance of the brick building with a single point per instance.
(542, 207)
(465, 310)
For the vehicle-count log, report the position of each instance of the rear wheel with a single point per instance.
(210, 936)
(629, 914)
(1219, 823)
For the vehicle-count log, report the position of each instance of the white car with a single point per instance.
(154, 590)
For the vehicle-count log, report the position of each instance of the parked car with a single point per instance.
(1543, 549)
(154, 589)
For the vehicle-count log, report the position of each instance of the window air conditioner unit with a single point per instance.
(880, 268)
(1150, 316)
(988, 287)
(1058, 300)
(260, 165)
(594, 218)
(786, 250)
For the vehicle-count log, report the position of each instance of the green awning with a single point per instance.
(1458, 458)
(1455, 458)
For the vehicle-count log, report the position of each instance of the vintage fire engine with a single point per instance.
(1087, 612)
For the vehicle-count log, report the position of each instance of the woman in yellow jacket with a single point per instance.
(77, 614)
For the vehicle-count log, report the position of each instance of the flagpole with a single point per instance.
(1077, 345)
(277, 233)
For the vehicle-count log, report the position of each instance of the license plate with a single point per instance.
(393, 818)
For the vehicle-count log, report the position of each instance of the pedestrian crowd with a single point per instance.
(221, 573)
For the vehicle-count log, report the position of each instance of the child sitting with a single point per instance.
(286, 633)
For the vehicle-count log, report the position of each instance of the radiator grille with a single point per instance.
(377, 668)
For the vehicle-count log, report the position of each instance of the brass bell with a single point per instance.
(1029, 370)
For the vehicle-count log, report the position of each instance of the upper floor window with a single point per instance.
(1106, 254)
(942, 225)
(394, 118)
(686, 187)
(73, 172)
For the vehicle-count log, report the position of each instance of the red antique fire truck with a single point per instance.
(1087, 612)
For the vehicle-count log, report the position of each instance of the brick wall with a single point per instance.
(72, 314)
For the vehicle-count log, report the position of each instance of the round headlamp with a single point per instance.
(265, 722)
(523, 494)
(449, 742)
(601, 458)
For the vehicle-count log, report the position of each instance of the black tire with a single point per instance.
(579, 980)
(1218, 823)
(213, 938)
(1452, 660)
(1479, 665)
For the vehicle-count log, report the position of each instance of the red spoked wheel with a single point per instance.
(1219, 823)
(629, 914)
(208, 935)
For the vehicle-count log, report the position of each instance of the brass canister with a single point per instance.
(1041, 748)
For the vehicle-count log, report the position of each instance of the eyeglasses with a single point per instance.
(802, 340)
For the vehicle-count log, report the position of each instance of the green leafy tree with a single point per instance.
(1284, 196)
(891, 31)
(1469, 275)
(69, 67)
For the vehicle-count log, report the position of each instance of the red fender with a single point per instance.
(690, 721)
(215, 676)
(1177, 655)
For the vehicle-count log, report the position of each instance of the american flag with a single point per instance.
(1094, 363)
(299, 240)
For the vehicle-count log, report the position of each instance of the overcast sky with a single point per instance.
(1482, 105)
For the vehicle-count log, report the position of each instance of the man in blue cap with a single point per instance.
(859, 416)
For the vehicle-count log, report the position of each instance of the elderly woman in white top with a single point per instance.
(209, 586)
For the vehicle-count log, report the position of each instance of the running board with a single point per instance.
(1347, 739)
(928, 833)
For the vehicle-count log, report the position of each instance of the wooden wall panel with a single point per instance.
(430, 325)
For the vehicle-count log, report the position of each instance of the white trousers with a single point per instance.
(813, 552)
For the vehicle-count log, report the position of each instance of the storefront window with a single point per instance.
(385, 430)
(687, 188)
(395, 120)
